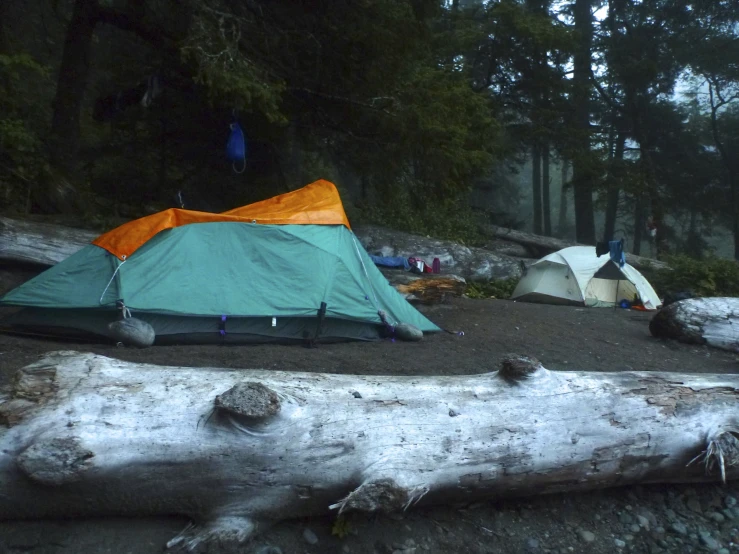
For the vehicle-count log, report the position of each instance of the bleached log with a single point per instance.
(45, 244)
(712, 321)
(541, 246)
(238, 449)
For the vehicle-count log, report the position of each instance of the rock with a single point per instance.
(586, 536)
(619, 543)
(634, 528)
(626, 519)
(408, 332)
(132, 331)
(475, 264)
(310, 537)
(532, 544)
(709, 542)
(717, 517)
(730, 501)
(643, 521)
(724, 551)
(679, 528)
(694, 504)
(671, 515)
(728, 514)
(268, 550)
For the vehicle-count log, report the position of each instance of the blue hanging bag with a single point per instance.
(236, 147)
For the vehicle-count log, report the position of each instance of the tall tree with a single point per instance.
(536, 187)
(583, 174)
(545, 190)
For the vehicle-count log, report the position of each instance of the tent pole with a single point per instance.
(615, 300)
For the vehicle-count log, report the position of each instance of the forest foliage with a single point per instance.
(111, 109)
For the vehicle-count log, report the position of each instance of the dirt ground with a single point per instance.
(697, 518)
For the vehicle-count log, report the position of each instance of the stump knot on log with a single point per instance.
(252, 400)
(722, 451)
(55, 462)
(515, 368)
(381, 495)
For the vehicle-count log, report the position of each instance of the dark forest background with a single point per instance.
(584, 119)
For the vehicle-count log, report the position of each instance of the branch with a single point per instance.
(610, 101)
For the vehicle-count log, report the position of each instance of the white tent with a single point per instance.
(576, 275)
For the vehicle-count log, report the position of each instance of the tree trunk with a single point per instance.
(638, 224)
(562, 217)
(536, 187)
(71, 84)
(711, 321)
(545, 182)
(583, 175)
(614, 189)
(237, 450)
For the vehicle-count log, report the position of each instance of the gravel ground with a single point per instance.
(649, 519)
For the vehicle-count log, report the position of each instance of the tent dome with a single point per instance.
(577, 275)
(287, 268)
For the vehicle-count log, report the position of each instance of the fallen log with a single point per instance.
(710, 321)
(541, 246)
(45, 244)
(238, 449)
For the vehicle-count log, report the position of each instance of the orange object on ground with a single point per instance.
(316, 204)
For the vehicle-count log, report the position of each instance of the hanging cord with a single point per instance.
(125, 312)
(111, 280)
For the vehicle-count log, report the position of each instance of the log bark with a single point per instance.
(43, 244)
(238, 449)
(427, 289)
(541, 246)
(710, 321)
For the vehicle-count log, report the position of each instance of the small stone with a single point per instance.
(268, 550)
(717, 517)
(671, 515)
(730, 501)
(728, 514)
(586, 536)
(694, 505)
(634, 528)
(626, 519)
(679, 528)
(532, 544)
(628, 538)
(310, 537)
(355, 394)
(659, 530)
(709, 542)
(619, 543)
(724, 551)
(643, 521)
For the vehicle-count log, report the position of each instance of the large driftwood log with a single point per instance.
(30, 242)
(541, 246)
(237, 449)
(711, 321)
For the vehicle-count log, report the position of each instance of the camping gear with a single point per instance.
(436, 265)
(578, 276)
(391, 261)
(257, 273)
(236, 146)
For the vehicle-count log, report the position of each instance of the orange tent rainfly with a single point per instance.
(316, 204)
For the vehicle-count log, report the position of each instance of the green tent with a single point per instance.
(205, 280)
